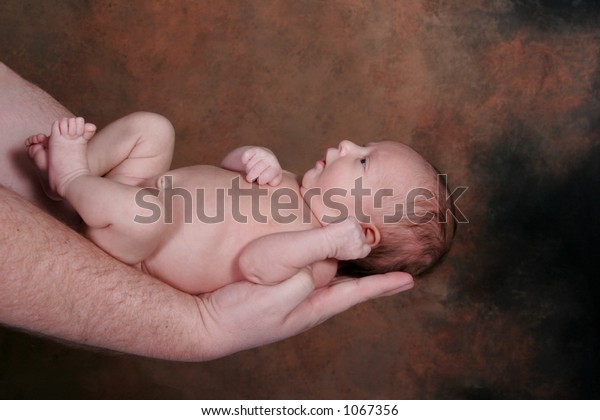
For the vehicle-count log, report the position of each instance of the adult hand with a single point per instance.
(245, 315)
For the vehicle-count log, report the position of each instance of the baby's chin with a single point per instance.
(302, 189)
(305, 180)
(311, 176)
(306, 183)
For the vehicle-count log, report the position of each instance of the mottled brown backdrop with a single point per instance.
(501, 94)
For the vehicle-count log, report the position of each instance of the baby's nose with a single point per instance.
(346, 146)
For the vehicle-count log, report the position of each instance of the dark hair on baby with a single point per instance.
(416, 242)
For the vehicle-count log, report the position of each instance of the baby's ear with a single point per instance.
(372, 235)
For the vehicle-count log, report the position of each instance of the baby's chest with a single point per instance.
(263, 208)
(218, 211)
(214, 196)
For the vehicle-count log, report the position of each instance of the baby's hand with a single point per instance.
(347, 240)
(262, 166)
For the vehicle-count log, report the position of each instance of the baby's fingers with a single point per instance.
(276, 179)
(271, 175)
(366, 250)
(254, 171)
(248, 155)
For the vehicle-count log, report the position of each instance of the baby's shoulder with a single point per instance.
(289, 180)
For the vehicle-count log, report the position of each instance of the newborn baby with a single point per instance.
(360, 210)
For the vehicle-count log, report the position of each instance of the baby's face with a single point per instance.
(334, 181)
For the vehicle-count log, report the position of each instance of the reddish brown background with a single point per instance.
(504, 95)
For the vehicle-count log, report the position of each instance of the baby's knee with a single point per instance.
(154, 124)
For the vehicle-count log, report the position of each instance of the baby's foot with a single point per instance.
(37, 149)
(67, 152)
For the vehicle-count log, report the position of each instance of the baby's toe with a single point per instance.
(79, 126)
(72, 127)
(63, 126)
(89, 130)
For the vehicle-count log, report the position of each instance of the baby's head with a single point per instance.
(400, 200)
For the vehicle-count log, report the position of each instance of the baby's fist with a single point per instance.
(262, 166)
(347, 240)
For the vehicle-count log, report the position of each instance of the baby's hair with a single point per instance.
(416, 242)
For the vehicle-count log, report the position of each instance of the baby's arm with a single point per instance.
(258, 163)
(278, 256)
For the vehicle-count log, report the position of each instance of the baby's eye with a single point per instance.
(363, 161)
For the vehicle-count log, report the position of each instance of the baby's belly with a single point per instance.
(191, 264)
(199, 257)
(201, 248)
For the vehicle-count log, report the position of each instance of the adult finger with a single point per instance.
(287, 295)
(327, 302)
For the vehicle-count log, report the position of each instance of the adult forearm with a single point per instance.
(55, 282)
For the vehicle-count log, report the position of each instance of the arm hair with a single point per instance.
(56, 282)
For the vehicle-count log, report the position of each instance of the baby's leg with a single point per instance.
(108, 207)
(132, 149)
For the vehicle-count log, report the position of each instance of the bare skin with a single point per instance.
(55, 282)
(37, 149)
(224, 252)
